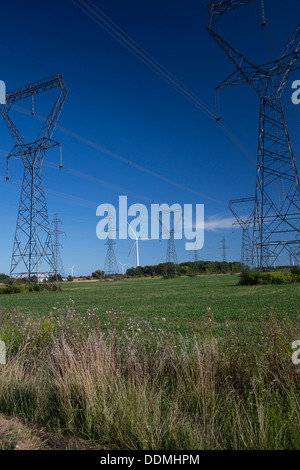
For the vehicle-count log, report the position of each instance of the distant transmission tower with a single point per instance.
(111, 265)
(33, 255)
(59, 267)
(245, 222)
(276, 224)
(169, 232)
(171, 258)
(224, 248)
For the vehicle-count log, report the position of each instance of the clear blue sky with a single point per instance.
(117, 105)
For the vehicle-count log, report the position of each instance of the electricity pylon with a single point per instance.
(169, 233)
(59, 266)
(224, 248)
(245, 222)
(111, 265)
(33, 254)
(277, 213)
(196, 262)
(171, 258)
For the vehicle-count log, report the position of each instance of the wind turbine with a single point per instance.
(123, 265)
(72, 270)
(136, 244)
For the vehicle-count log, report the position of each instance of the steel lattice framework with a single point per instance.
(245, 222)
(171, 257)
(276, 224)
(111, 265)
(59, 266)
(33, 254)
(224, 248)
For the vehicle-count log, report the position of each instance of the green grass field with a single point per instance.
(182, 302)
(121, 377)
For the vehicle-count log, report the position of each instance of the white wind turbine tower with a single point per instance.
(136, 244)
(72, 270)
(123, 265)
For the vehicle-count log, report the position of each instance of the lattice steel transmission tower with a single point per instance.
(196, 262)
(169, 233)
(171, 258)
(111, 265)
(276, 225)
(224, 248)
(33, 254)
(58, 263)
(245, 222)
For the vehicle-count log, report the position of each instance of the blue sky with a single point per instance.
(121, 122)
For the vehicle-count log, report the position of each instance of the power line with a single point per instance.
(137, 50)
(124, 160)
(129, 43)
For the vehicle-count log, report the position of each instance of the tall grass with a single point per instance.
(235, 391)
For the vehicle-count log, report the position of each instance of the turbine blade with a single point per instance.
(135, 235)
(132, 247)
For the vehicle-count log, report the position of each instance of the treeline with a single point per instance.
(188, 268)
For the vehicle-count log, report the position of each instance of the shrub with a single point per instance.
(23, 288)
(295, 270)
(279, 278)
(3, 277)
(250, 277)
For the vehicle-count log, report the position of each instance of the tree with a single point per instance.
(3, 277)
(98, 274)
(55, 277)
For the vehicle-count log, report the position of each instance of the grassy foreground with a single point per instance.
(182, 302)
(117, 380)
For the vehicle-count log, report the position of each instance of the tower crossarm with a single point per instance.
(50, 124)
(292, 45)
(55, 81)
(289, 60)
(33, 88)
(238, 59)
(242, 221)
(246, 75)
(218, 7)
(18, 138)
(258, 76)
